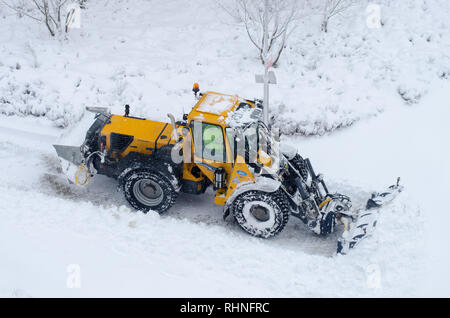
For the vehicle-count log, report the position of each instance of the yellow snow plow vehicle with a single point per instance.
(222, 143)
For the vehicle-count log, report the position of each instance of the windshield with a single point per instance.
(264, 139)
(253, 138)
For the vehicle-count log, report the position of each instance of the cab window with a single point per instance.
(208, 141)
(230, 136)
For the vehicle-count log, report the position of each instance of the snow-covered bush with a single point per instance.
(34, 99)
(410, 95)
(82, 4)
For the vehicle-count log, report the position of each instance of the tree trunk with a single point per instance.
(47, 19)
(324, 27)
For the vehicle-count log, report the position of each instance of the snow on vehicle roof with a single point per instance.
(215, 103)
(243, 116)
(225, 109)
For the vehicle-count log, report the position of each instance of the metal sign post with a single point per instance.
(266, 79)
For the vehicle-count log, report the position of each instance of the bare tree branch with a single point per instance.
(48, 12)
(19, 11)
(280, 18)
(332, 8)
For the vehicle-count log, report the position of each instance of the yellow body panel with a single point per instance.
(148, 135)
(187, 175)
(240, 174)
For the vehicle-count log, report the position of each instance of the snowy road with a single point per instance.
(47, 225)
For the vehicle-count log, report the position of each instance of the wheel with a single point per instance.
(299, 163)
(261, 214)
(328, 223)
(149, 190)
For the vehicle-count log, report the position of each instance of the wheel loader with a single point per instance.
(221, 143)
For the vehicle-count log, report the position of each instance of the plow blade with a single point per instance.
(365, 221)
(71, 161)
(69, 153)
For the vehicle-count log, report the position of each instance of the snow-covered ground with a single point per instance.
(149, 59)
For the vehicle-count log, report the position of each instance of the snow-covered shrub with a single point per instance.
(34, 99)
(318, 114)
(410, 95)
(82, 3)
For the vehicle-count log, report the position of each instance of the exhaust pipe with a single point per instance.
(175, 132)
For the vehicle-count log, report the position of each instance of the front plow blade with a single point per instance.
(363, 225)
(358, 230)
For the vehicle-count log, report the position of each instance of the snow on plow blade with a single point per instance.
(71, 161)
(366, 220)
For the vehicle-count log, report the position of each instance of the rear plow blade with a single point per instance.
(362, 224)
(69, 153)
(72, 164)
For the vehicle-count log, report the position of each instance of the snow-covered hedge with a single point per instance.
(32, 99)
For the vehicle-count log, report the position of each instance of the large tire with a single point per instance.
(261, 214)
(149, 190)
(300, 165)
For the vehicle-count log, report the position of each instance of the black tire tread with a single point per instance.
(159, 174)
(278, 197)
(299, 163)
